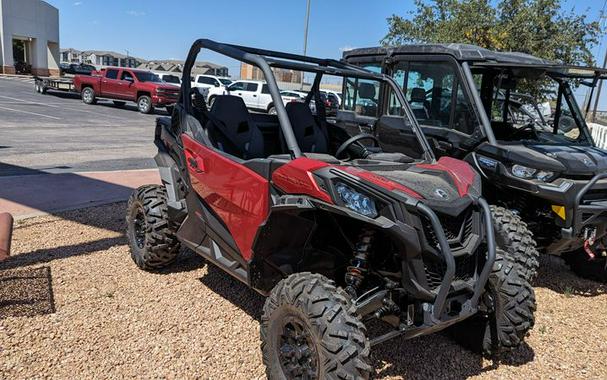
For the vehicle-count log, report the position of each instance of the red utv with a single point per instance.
(333, 231)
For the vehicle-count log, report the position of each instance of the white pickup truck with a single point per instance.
(255, 94)
(212, 84)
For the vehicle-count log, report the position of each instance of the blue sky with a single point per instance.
(154, 29)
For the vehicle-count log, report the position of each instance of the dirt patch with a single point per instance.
(113, 320)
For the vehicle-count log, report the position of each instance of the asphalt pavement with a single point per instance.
(57, 133)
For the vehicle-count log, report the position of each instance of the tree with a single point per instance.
(538, 27)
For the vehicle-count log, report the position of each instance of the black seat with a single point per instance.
(232, 130)
(418, 95)
(310, 136)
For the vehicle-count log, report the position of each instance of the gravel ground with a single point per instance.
(101, 317)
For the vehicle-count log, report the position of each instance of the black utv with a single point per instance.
(515, 118)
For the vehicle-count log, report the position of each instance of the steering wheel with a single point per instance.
(352, 140)
(528, 127)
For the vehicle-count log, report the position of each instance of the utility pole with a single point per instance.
(598, 91)
(127, 57)
(305, 49)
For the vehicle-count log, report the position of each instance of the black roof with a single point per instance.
(478, 56)
(461, 52)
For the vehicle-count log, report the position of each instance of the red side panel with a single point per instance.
(460, 171)
(296, 178)
(237, 194)
(380, 181)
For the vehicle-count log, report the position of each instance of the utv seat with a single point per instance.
(311, 137)
(418, 96)
(232, 130)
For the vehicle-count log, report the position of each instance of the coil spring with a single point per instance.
(355, 273)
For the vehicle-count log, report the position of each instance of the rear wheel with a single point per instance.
(513, 237)
(88, 95)
(144, 104)
(150, 232)
(508, 312)
(581, 264)
(118, 103)
(309, 331)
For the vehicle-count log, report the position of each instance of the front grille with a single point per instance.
(465, 268)
(452, 226)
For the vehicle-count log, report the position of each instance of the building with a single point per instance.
(251, 72)
(29, 37)
(99, 58)
(172, 65)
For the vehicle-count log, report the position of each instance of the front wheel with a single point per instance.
(308, 331)
(150, 232)
(585, 267)
(144, 104)
(88, 95)
(508, 307)
(516, 240)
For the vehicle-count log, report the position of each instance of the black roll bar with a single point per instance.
(265, 59)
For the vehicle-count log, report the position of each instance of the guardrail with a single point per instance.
(599, 134)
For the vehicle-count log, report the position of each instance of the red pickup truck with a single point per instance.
(125, 84)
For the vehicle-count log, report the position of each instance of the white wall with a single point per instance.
(30, 19)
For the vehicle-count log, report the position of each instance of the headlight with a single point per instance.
(356, 201)
(525, 172)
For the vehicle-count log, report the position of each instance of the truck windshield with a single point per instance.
(530, 105)
(143, 76)
(226, 82)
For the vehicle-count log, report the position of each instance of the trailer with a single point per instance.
(43, 84)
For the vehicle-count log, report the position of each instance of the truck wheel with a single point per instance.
(308, 331)
(150, 232)
(118, 103)
(509, 307)
(88, 95)
(580, 264)
(513, 237)
(144, 104)
(272, 110)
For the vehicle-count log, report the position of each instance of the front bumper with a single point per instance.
(163, 100)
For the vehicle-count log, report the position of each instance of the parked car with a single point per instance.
(256, 95)
(215, 85)
(337, 95)
(167, 77)
(540, 171)
(336, 235)
(124, 84)
(76, 69)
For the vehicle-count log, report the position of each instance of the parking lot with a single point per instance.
(57, 133)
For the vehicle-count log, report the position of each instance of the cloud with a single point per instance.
(135, 13)
(77, 3)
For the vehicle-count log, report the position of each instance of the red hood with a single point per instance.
(460, 171)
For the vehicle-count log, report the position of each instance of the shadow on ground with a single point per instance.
(555, 275)
(26, 292)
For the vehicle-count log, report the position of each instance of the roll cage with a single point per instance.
(265, 60)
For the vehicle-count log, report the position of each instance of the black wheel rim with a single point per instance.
(296, 350)
(139, 228)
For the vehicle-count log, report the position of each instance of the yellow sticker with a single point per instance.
(560, 211)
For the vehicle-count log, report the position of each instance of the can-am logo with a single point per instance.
(441, 193)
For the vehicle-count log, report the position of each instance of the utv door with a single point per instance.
(440, 102)
(238, 195)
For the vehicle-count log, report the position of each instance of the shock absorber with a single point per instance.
(355, 273)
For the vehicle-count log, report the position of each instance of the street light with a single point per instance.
(305, 49)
